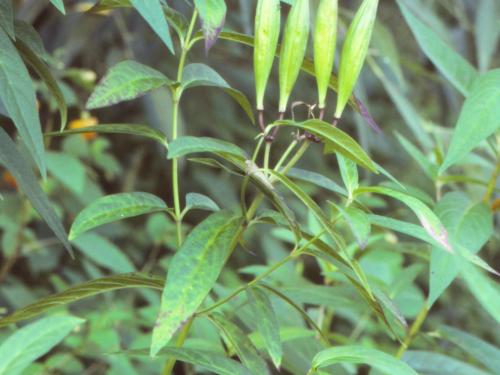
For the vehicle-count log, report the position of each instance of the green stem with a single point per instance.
(303, 148)
(492, 183)
(169, 366)
(285, 155)
(414, 330)
(267, 153)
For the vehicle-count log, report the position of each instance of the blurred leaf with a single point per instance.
(453, 66)
(152, 13)
(132, 129)
(29, 343)
(31, 38)
(115, 207)
(316, 179)
(104, 253)
(478, 118)
(68, 170)
(430, 169)
(358, 222)
(15, 163)
(487, 32)
(335, 140)
(241, 344)
(213, 15)
(357, 354)
(193, 272)
(125, 81)
(7, 17)
(267, 323)
(430, 363)
(187, 145)
(59, 5)
(349, 173)
(201, 202)
(196, 75)
(17, 94)
(384, 42)
(81, 291)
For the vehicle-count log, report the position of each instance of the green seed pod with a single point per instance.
(325, 39)
(354, 51)
(293, 49)
(267, 29)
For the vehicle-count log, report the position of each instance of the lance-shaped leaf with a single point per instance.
(125, 81)
(487, 32)
(7, 17)
(192, 273)
(478, 118)
(31, 342)
(200, 202)
(81, 291)
(427, 218)
(383, 362)
(354, 51)
(152, 12)
(17, 94)
(202, 75)
(349, 174)
(293, 49)
(267, 323)
(113, 208)
(427, 363)
(59, 5)
(27, 182)
(267, 30)
(325, 41)
(241, 344)
(187, 145)
(213, 15)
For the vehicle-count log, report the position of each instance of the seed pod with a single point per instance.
(325, 39)
(267, 29)
(354, 51)
(293, 49)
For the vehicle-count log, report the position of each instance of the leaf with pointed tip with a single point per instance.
(478, 118)
(201, 202)
(29, 343)
(152, 12)
(267, 323)
(316, 179)
(59, 5)
(487, 32)
(7, 17)
(187, 145)
(430, 169)
(193, 271)
(349, 174)
(202, 75)
(125, 81)
(17, 94)
(25, 178)
(213, 15)
(115, 207)
(81, 291)
(358, 222)
(383, 362)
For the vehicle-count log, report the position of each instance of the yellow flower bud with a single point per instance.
(267, 29)
(325, 39)
(354, 51)
(293, 49)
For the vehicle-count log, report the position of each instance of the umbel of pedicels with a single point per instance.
(294, 45)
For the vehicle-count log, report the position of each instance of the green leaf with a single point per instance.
(241, 344)
(44, 73)
(59, 5)
(213, 15)
(384, 42)
(196, 75)
(358, 222)
(31, 342)
(17, 94)
(267, 323)
(484, 352)
(7, 17)
(193, 271)
(113, 208)
(68, 170)
(25, 178)
(427, 218)
(31, 38)
(428, 167)
(478, 118)
(316, 179)
(335, 141)
(81, 291)
(453, 66)
(152, 12)
(430, 363)
(125, 81)
(487, 31)
(349, 173)
(357, 354)
(131, 129)
(209, 360)
(201, 202)
(104, 253)
(187, 145)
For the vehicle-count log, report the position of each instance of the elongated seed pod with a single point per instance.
(354, 51)
(267, 29)
(325, 39)
(293, 49)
